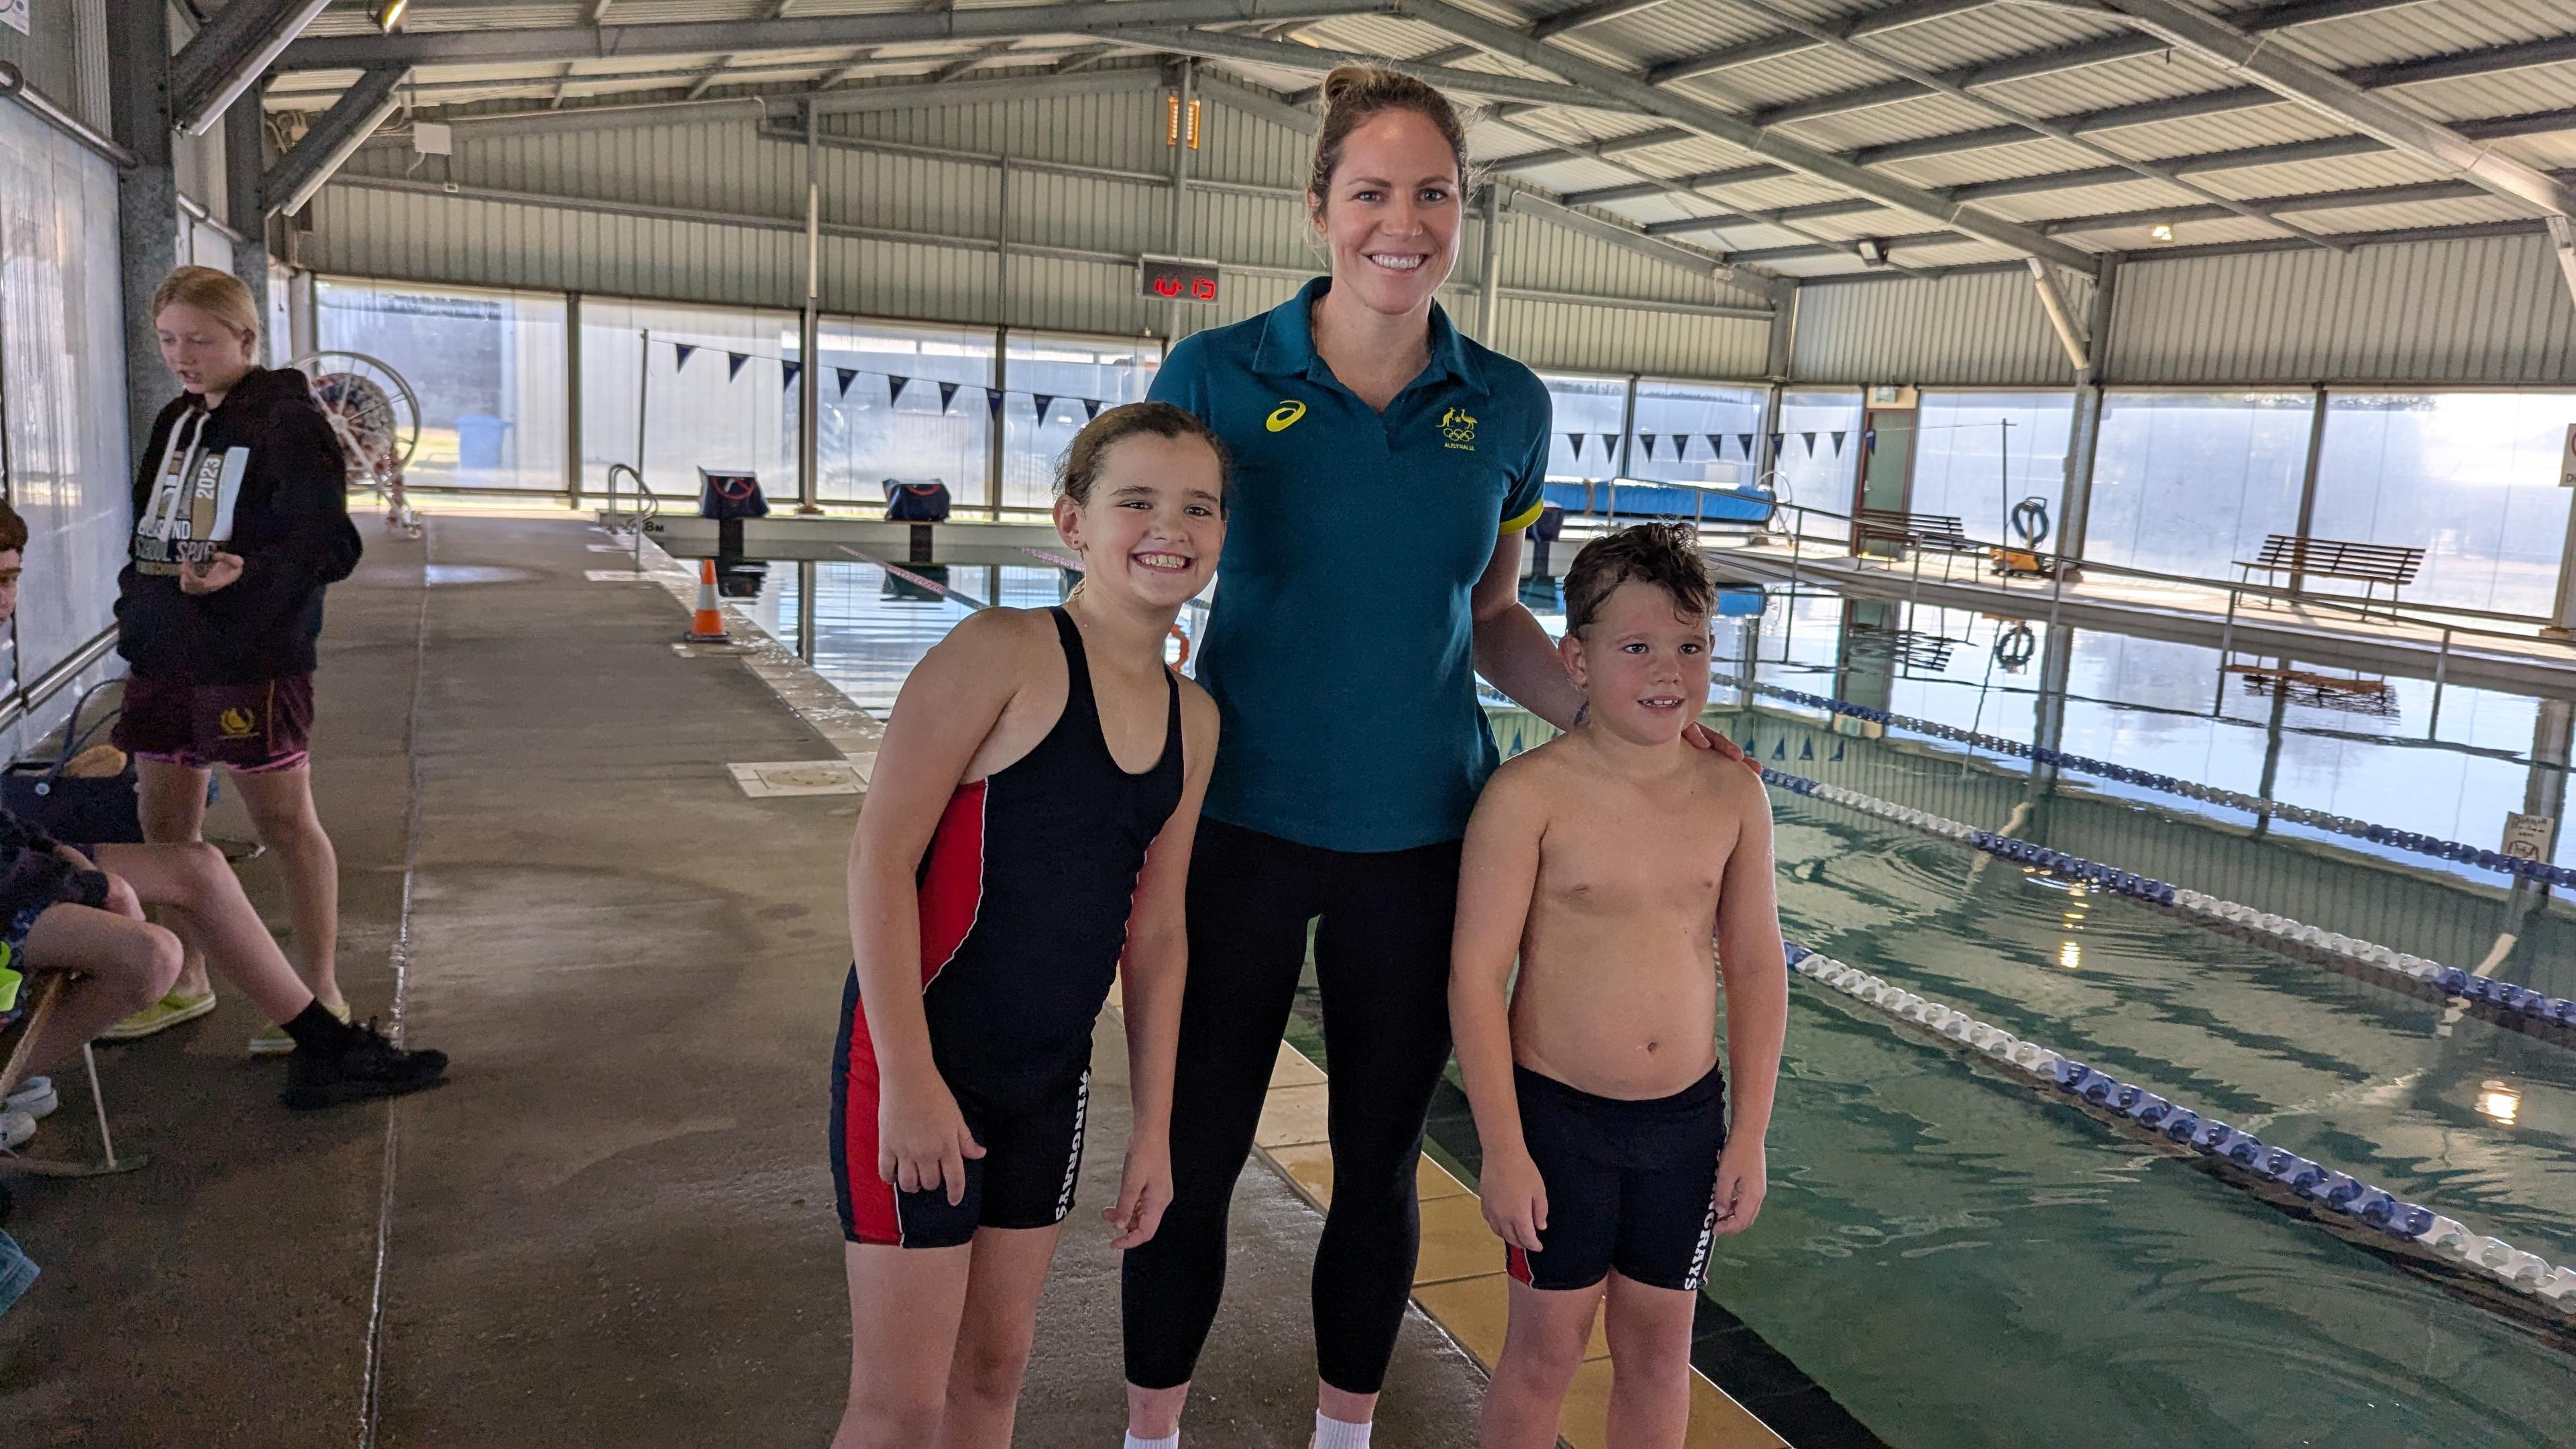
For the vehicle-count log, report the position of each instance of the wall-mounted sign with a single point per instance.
(13, 13)
(1884, 395)
(2526, 837)
(1177, 279)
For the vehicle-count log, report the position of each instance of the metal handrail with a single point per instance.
(13, 85)
(648, 506)
(2401, 611)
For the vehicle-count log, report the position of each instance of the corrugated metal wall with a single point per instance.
(2482, 310)
(728, 167)
(1974, 328)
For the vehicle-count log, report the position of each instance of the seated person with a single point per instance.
(64, 912)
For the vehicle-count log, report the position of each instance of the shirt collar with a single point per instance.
(1287, 346)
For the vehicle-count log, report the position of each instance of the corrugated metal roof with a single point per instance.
(2442, 27)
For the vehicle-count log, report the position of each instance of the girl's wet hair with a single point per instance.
(1665, 555)
(1354, 93)
(1083, 461)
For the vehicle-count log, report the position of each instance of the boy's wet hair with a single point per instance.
(13, 531)
(1665, 555)
(1082, 461)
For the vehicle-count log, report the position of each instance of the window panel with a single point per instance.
(868, 434)
(1977, 455)
(2187, 483)
(1817, 477)
(1596, 408)
(699, 413)
(486, 366)
(1067, 371)
(2471, 478)
(1680, 418)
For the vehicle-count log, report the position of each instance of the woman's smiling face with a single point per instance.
(1392, 213)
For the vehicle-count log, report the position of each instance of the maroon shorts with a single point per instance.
(245, 727)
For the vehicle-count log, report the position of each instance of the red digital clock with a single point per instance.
(1177, 279)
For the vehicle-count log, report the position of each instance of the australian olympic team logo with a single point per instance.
(1458, 430)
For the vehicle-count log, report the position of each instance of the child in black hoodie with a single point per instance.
(240, 520)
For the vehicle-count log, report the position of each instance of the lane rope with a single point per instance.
(2348, 1202)
(2502, 1002)
(2420, 844)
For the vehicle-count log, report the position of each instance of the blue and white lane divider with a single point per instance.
(2409, 1226)
(2539, 1014)
(2420, 844)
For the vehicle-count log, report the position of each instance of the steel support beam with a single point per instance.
(2083, 444)
(1489, 264)
(335, 135)
(1625, 235)
(1216, 45)
(518, 45)
(245, 166)
(1735, 130)
(2060, 321)
(227, 55)
(147, 199)
(2287, 74)
(1258, 104)
(2562, 240)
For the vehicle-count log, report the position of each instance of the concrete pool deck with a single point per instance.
(614, 1224)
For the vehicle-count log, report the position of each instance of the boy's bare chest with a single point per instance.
(1636, 858)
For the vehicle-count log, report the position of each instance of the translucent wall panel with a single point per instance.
(62, 356)
(1066, 371)
(2471, 478)
(1595, 408)
(875, 428)
(1818, 477)
(700, 409)
(2187, 482)
(1701, 432)
(486, 366)
(1977, 455)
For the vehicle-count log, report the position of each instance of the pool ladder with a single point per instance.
(648, 506)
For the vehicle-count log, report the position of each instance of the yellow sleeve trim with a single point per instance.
(1515, 525)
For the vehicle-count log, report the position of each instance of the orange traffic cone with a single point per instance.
(708, 627)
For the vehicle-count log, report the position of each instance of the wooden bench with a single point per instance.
(1931, 532)
(2371, 564)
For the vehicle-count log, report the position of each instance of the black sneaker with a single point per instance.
(369, 1066)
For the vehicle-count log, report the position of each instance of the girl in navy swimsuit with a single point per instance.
(1024, 842)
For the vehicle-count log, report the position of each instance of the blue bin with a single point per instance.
(478, 440)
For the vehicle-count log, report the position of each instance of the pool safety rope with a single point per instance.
(2502, 1002)
(2451, 850)
(2350, 1202)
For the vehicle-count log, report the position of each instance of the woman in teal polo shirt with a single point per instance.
(1384, 469)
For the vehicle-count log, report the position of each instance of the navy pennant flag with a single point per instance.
(993, 401)
(1811, 443)
(1747, 440)
(734, 362)
(1609, 445)
(1778, 442)
(1839, 435)
(1649, 440)
(947, 393)
(681, 352)
(895, 386)
(848, 375)
(1716, 444)
(1091, 408)
(791, 369)
(1681, 445)
(1577, 440)
(1045, 401)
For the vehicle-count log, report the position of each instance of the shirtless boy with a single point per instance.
(1601, 861)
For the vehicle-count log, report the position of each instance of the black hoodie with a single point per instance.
(261, 476)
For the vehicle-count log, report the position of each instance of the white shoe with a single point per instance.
(15, 1128)
(35, 1096)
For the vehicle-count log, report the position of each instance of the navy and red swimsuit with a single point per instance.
(1024, 896)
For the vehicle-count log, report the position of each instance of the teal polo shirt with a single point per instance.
(1339, 647)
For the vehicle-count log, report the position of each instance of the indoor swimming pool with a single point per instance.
(1953, 1253)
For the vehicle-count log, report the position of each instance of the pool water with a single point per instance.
(1959, 1258)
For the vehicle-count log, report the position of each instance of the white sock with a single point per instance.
(1335, 1434)
(1169, 1441)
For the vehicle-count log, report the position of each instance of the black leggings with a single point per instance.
(1382, 961)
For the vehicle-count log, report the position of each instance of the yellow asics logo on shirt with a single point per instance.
(1282, 416)
(237, 724)
(1459, 428)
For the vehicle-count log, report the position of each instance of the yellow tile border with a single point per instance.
(1465, 1306)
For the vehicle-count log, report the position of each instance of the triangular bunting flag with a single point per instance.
(848, 375)
(1716, 444)
(1811, 443)
(1746, 439)
(1778, 442)
(1609, 445)
(1681, 445)
(681, 352)
(1577, 440)
(733, 364)
(1045, 402)
(1807, 751)
(993, 401)
(1091, 408)
(1839, 435)
(1649, 440)
(792, 370)
(947, 391)
(895, 386)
